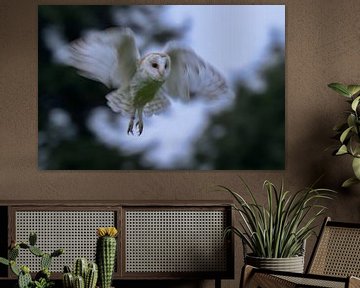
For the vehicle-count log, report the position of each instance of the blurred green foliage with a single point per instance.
(250, 135)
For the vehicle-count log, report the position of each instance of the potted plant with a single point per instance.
(348, 133)
(276, 233)
(84, 274)
(42, 278)
(106, 254)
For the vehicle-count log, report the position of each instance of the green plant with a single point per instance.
(85, 275)
(348, 132)
(279, 229)
(105, 254)
(43, 283)
(42, 278)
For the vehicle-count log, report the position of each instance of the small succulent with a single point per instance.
(42, 283)
(84, 275)
(348, 133)
(42, 278)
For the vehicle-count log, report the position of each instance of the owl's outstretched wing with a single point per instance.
(191, 77)
(109, 56)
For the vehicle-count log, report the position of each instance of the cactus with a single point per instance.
(67, 269)
(32, 238)
(13, 253)
(4, 261)
(14, 268)
(45, 261)
(91, 276)
(24, 277)
(68, 280)
(57, 253)
(81, 265)
(24, 245)
(42, 278)
(36, 251)
(87, 272)
(105, 254)
(44, 273)
(79, 282)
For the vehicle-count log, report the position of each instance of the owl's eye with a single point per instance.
(166, 65)
(155, 65)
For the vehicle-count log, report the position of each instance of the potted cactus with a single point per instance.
(106, 254)
(84, 275)
(42, 278)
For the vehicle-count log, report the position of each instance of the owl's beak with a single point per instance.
(161, 72)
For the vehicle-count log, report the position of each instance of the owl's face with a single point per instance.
(157, 66)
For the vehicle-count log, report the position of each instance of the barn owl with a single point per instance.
(143, 85)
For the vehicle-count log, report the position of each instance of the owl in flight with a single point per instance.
(144, 85)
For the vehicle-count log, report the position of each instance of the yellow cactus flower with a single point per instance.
(106, 231)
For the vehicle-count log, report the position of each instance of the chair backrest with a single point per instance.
(337, 251)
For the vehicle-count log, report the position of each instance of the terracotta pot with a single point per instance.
(291, 264)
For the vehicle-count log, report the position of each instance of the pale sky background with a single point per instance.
(234, 39)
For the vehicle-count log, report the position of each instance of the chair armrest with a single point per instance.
(252, 277)
(255, 277)
(246, 273)
(354, 282)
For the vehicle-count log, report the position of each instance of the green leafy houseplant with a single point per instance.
(348, 133)
(279, 229)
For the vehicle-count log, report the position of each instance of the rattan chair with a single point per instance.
(334, 263)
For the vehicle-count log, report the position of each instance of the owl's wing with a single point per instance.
(191, 77)
(109, 56)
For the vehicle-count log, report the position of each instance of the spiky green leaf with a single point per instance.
(280, 228)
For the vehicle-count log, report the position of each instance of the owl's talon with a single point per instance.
(130, 127)
(140, 127)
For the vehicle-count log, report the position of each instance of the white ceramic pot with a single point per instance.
(291, 264)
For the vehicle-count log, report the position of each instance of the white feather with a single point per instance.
(191, 77)
(109, 56)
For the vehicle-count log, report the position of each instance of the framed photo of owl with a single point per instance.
(161, 87)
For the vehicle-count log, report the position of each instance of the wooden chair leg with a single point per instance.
(217, 283)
